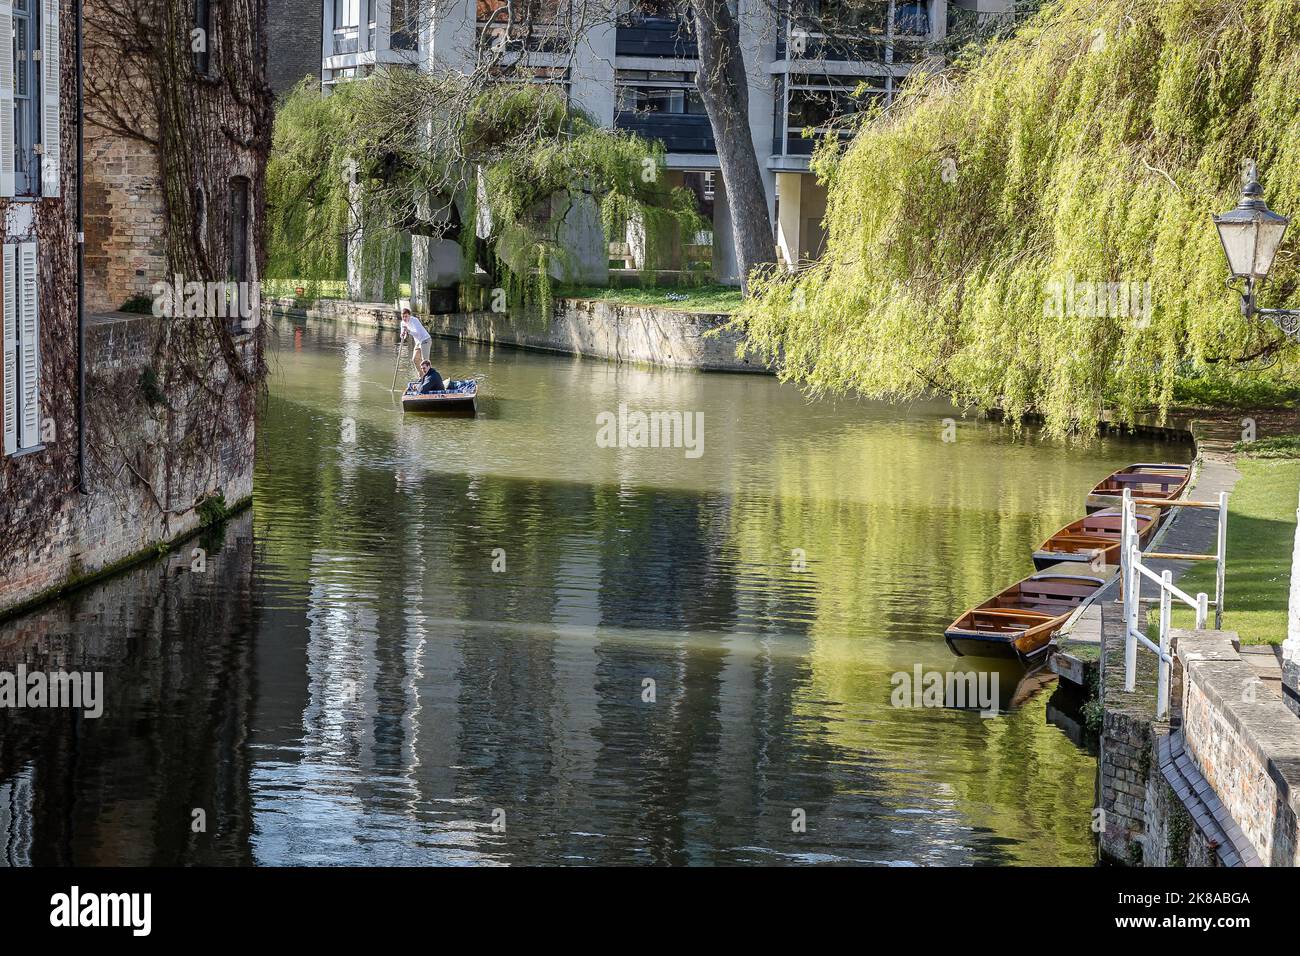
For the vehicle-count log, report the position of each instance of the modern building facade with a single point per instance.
(634, 68)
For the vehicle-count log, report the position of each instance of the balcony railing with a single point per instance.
(655, 36)
(680, 132)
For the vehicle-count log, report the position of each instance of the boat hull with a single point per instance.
(1095, 540)
(462, 402)
(1022, 620)
(974, 644)
(1046, 559)
(1169, 481)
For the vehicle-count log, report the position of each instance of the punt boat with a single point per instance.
(1145, 480)
(1081, 541)
(459, 397)
(1022, 620)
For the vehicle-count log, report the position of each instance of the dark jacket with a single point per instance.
(432, 382)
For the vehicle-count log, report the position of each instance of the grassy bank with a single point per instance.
(317, 288)
(700, 298)
(1261, 537)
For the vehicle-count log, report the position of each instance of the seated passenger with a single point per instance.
(432, 381)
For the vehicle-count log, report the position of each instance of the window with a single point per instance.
(30, 158)
(911, 19)
(26, 101)
(22, 360)
(405, 25)
(347, 13)
(347, 19)
(658, 91)
(239, 246)
(201, 35)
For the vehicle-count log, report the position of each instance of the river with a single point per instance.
(495, 640)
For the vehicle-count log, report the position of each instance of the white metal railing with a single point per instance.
(1133, 569)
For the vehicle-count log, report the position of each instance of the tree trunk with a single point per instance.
(724, 88)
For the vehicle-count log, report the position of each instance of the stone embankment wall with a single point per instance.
(621, 333)
(1244, 741)
(1219, 783)
(142, 497)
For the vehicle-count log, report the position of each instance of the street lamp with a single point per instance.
(1251, 235)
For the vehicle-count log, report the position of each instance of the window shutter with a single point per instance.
(30, 330)
(51, 162)
(9, 315)
(6, 100)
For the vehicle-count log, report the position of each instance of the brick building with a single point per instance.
(163, 440)
(124, 252)
(294, 42)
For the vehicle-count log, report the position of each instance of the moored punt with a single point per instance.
(1100, 532)
(1022, 620)
(1166, 482)
(461, 398)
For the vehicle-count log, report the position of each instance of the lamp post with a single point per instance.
(1251, 235)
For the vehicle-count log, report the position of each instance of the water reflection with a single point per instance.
(433, 626)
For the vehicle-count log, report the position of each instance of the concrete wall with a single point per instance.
(139, 497)
(591, 327)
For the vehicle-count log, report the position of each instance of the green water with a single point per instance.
(428, 626)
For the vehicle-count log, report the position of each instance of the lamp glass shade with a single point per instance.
(1251, 238)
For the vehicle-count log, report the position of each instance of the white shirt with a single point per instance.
(415, 328)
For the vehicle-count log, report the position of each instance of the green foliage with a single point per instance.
(307, 185)
(1280, 446)
(1090, 146)
(430, 149)
(1213, 388)
(213, 509)
(710, 298)
(150, 387)
(1261, 543)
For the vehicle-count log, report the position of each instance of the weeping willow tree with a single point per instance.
(1030, 230)
(508, 169)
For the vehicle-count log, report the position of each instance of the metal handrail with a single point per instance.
(1132, 570)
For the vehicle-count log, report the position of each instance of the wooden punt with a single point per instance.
(1145, 481)
(1022, 620)
(462, 399)
(1081, 541)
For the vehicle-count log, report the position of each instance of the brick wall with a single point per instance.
(1124, 769)
(293, 42)
(124, 220)
(140, 497)
(1245, 742)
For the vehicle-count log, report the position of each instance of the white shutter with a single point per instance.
(30, 330)
(6, 99)
(51, 162)
(9, 315)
